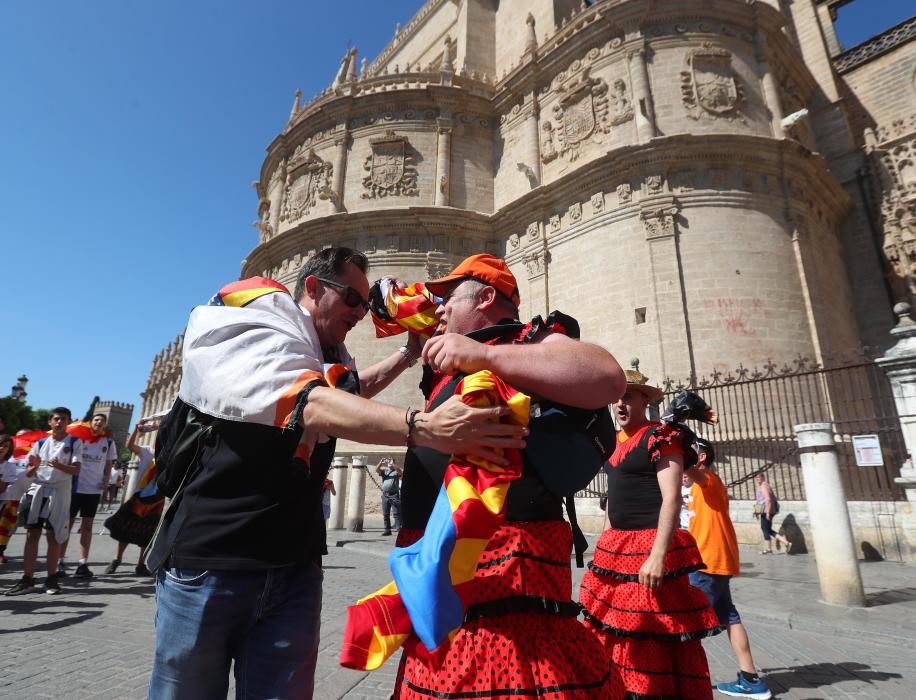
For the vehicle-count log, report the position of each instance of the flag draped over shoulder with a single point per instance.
(396, 309)
(83, 431)
(424, 606)
(249, 354)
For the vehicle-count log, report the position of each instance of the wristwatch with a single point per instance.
(411, 360)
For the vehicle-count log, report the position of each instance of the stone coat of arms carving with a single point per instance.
(391, 168)
(306, 176)
(581, 112)
(709, 85)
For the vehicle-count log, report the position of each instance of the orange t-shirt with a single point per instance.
(711, 526)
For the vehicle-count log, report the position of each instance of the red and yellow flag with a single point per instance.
(436, 573)
(396, 309)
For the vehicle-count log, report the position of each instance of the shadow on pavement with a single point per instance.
(326, 567)
(33, 606)
(891, 596)
(812, 676)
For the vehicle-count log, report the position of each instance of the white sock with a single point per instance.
(82, 562)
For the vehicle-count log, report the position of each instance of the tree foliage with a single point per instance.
(18, 415)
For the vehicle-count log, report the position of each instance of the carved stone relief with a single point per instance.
(514, 241)
(554, 223)
(581, 112)
(391, 168)
(536, 262)
(597, 202)
(709, 86)
(533, 230)
(654, 184)
(575, 211)
(621, 103)
(659, 223)
(624, 193)
(306, 176)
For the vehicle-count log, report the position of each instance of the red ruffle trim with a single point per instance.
(621, 553)
(522, 559)
(667, 439)
(618, 604)
(517, 653)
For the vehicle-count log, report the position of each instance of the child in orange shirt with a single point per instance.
(711, 527)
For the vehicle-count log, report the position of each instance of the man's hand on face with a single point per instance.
(455, 427)
(451, 353)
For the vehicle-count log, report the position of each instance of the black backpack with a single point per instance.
(182, 434)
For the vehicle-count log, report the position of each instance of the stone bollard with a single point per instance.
(831, 531)
(356, 493)
(338, 504)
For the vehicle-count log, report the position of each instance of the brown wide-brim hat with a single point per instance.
(484, 268)
(637, 381)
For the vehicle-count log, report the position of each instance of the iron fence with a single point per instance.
(759, 409)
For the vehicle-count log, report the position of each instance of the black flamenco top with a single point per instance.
(634, 498)
(424, 468)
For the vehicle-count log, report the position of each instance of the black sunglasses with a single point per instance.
(351, 297)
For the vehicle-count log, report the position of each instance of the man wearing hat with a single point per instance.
(712, 528)
(521, 608)
(636, 595)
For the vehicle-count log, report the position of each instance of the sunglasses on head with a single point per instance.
(351, 297)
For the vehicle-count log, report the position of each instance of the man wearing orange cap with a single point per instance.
(521, 610)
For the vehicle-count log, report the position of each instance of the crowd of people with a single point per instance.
(267, 388)
(61, 477)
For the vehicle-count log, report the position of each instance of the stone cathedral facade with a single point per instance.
(702, 183)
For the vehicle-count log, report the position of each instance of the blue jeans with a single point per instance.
(719, 591)
(267, 622)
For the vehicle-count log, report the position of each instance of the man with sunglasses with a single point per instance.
(238, 556)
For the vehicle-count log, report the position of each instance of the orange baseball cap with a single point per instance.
(485, 268)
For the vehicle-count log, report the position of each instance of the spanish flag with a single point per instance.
(424, 606)
(23, 441)
(83, 431)
(397, 308)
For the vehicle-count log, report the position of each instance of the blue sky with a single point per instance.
(129, 136)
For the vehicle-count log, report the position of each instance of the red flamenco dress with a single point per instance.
(652, 636)
(521, 635)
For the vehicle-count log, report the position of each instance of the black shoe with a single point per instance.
(51, 585)
(82, 571)
(387, 533)
(115, 563)
(61, 569)
(23, 586)
(141, 570)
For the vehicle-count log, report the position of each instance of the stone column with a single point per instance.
(340, 170)
(533, 143)
(831, 531)
(356, 493)
(899, 363)
(770, 89)
(443, 162)
(339, 477)
(639, 77)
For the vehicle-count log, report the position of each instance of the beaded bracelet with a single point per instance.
(410, 418)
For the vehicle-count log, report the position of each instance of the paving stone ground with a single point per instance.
(95, 639)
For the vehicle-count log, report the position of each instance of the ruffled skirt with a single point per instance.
(521, 635)
(652, 636)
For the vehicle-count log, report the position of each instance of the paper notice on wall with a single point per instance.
(867, 449)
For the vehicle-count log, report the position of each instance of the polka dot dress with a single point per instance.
(521, 637)
(652, 637)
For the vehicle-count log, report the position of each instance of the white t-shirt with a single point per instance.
(48, 449)
(92, 469)
(12, 472)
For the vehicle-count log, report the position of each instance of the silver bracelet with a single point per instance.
(411, 360)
